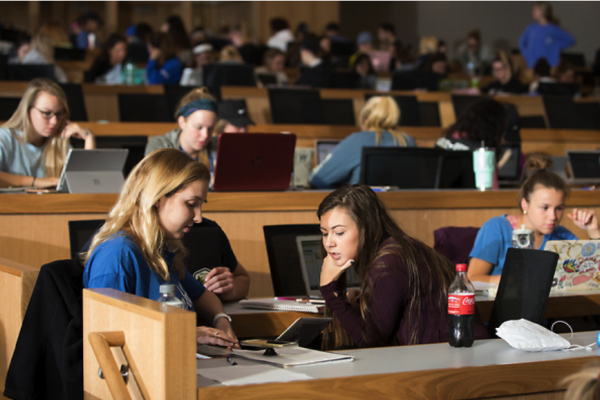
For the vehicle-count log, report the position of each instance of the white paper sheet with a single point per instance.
(291, 356)
(250, 374)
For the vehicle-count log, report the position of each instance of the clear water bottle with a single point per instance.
(168, 296)
(461, 309)
(129, 73)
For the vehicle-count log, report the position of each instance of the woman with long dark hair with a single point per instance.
(108, 66)
(403, 296)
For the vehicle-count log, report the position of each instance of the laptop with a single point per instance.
(254, 161)
(584, 166)
(324, 148)
(93, 171)
(511, 155)
(380, 60)
(578, 264)
(311, 261)
(559, 166)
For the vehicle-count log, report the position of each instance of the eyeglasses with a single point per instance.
(49, 114)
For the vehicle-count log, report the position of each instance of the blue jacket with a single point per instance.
(544, 41)
(343, 164)
(169, 73)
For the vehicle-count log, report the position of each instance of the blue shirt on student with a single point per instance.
(544, 41)
(169, 73)
(343, 163)
(118, 263)
(495, 238)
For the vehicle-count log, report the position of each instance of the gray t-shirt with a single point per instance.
(20, 158)
(169, 140)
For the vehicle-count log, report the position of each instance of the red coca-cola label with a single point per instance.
(461, 303)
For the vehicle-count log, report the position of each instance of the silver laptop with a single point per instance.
(93, 171)
(311, 262)
(559, 166)
(584, 166)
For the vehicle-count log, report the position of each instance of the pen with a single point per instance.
(285, 298)
(230, 361)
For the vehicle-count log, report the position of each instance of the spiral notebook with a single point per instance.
(282, 305)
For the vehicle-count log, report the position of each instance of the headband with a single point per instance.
(197, 105)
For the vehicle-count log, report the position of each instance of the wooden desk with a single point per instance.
(552, 141)
(35, 229)
(491, 368)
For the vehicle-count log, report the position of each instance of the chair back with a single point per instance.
(524, 286)
(296, 106)
(284, 259)
(455, 242)
(48, 359)
(338, 111)
(80, 233)
(429, 111)
(75, 100)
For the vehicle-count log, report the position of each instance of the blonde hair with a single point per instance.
(503, 57)
(230, 53)
(428, 45)
(49, 36)
(382, 114)
(220, 127)
(583, 385)
(161, 173)
(197, 94)
(55, 147)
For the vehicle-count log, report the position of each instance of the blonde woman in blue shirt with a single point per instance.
(34, 142)
(379, 121)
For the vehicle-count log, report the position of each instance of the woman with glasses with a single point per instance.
(34, 142)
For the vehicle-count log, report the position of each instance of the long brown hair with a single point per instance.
(375, 225)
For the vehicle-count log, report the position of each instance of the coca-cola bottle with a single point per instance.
(461, 309)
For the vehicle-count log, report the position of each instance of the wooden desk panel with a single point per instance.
(35, 227)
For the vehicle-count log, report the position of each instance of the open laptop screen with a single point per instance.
(585, 164)
(311, 260)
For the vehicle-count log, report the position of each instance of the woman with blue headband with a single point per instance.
(196, 116)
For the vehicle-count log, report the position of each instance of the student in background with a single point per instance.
(196, 116)
(164, 66)
(564, 72)
(317, 72)
(174, 28)
(139, 246)
(505, 81)
(202, 55)
(281, 34)
(230, 55)
(233, 118)
(438, 64)
(428, 45)
(386, 33)
(34, 142)
(364, 44)
(87, 35)
(402, 299)
(49, 36)
(364, 68)
(541, 74)
(542, 203)
(108, 66)
(379, 123)
(274, 63)
(544, 37)
(137, 49)
(475, 53)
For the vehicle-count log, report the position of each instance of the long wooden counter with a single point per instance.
(101, 100)
(35, 229)
(552, 141)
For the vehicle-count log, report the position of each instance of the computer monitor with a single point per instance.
(338, 111)
(415, 79)
(410, 114)
(296, 106)
(229, 75)
(584, 165)
(26, 73)
(509, 171)
(401, 167)
(324, 148)
(456, 171)
(268, 79)
(284, 259)
(553, 88)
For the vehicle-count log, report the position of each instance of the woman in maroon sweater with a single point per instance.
(403, 296)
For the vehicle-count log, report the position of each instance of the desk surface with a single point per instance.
(489, 368)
